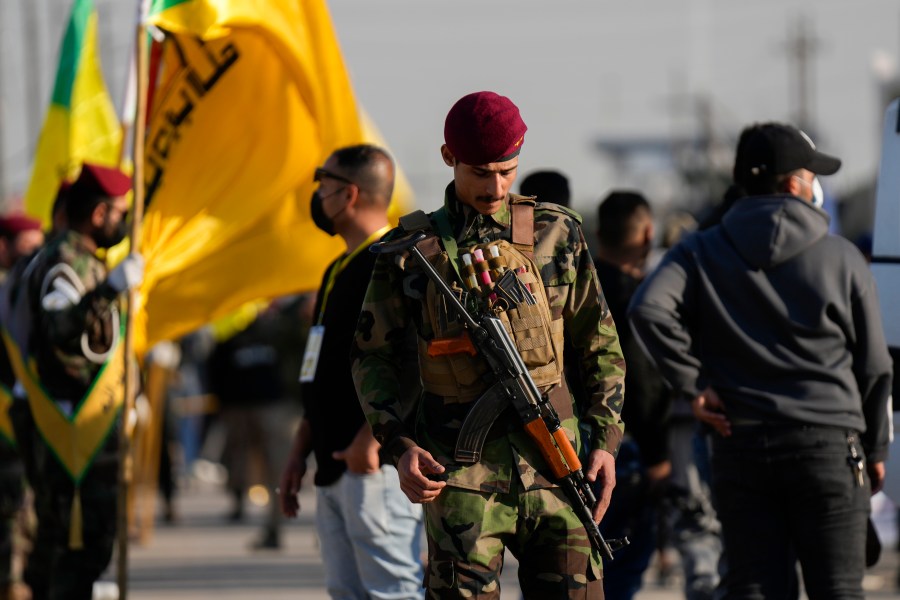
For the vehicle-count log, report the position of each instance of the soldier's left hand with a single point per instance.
(601, 467)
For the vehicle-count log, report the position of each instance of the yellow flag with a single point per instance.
(250, 96)
(81, 122)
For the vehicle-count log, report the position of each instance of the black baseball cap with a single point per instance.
(771, 149)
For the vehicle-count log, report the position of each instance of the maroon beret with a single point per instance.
(105, 181)
(13, 224)
(483, 128)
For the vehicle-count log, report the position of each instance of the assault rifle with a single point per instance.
(513, 385)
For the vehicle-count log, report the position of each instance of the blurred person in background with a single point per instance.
(689, 523)
(625, 238)
(370, 536)
(244, 373)
(68, 325)
(20, 237)
(548, 186)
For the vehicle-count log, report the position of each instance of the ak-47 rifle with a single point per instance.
(515, 386)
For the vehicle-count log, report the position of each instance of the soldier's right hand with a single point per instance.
(414, 467)
(290, 486)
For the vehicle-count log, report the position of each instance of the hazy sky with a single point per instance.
(583, 70)
(579, 70)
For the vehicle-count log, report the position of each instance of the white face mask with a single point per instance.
(818, 199)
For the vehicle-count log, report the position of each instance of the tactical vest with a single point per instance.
(459, 377)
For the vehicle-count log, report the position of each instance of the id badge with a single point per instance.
(311, 354)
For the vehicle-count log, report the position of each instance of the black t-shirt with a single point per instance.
(332, 406)
(647, 398)
(244, 369)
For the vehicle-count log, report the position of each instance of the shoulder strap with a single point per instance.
(419, 221)
(522, 221)
(433, 245)
(415, 221)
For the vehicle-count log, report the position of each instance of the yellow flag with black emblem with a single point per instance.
(73, 438)
(247, 97)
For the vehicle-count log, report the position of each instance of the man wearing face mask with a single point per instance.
(67, 327)
(370, 536)
(771, 327)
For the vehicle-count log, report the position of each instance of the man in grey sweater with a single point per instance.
(771, 328)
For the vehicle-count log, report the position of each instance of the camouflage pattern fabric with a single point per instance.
(15, 515)
(56, 343)
(12, 492)
(395, 298)
(511, 467)
(467, 533)
(55, 571)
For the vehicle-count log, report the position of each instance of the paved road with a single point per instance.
(204, 557)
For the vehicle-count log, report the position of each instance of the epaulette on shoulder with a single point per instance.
(415, 221)
(556, 208)
(517, 199)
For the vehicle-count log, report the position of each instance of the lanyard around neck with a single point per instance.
(341, 263)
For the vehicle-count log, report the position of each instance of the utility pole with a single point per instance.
(697, 155)
(802, 47)
(33, 72)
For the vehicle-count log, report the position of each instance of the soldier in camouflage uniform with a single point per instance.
(20, 236)
(74, 329)
(507, 499)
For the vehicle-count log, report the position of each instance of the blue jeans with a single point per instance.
(784, 492)
(371, 538)
(632, 513)
(690, 519)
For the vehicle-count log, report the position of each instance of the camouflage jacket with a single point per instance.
(75, 313)
(394, 300)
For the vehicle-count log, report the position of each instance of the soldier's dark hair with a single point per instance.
(80, 204)
(364, 164)
(616, 215)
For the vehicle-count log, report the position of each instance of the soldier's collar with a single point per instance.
(463, 216)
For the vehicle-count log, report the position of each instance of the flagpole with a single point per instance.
(137, 211)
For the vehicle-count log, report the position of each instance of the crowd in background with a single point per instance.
(235, 400)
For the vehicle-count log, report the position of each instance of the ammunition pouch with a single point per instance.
(460, 378)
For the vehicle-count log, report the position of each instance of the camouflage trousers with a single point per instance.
(12, 493)
(55, 571)
(468, 531)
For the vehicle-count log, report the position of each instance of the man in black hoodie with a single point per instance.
(771, 327)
